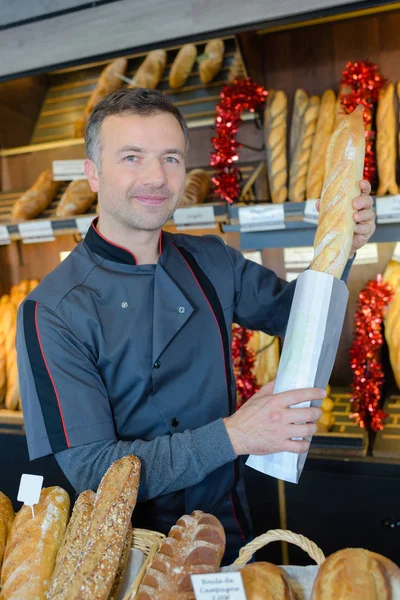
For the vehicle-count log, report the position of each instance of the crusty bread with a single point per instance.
(386, 142)
(299, 108)
(122, 565)
(35, 200)
(3, 371)
(391, 274)
(182, 65)
(344, 163)
(211, 62)
(266, 349)
(340, 113)
(264, 581)
(301, 157)
(236, 69)
(9, 327)
(76, 199)
(357, 574)
(275, 126)
(150, 71)
(195, 545)
(32, 546)
(197, 186)
(6, 519)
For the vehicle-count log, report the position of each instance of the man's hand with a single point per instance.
(265, 424)
(364, 217)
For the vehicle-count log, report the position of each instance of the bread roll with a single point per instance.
(9, 327)
(386, 142)
(211, 61)
(6, 519)
(32, 546)
(275, 125)
(236, 69)
(122, 565)
(357, 574)
(299, 108)
(197, 186)
(195, 545)
(325, 124)
(301, 158)
(35, 200)
(182, 65)
(264, 581)
(151, 70)
(76, 199)
(344, 163)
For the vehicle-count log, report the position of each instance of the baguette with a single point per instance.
(9, 326)
(264, 581)
(122, 565)
(35, 200)
(339, 111)
(386, 142)
(195, 545)
(236, 70)
(210, 62)
(76, 199)
(3, 370)
(197, 186)
(325, 124)
(32, 546)
(302, 153)
(299, 108)
(275, 125)
(344, 163)
(151, 70)
(266, 349)
(182, 65)
(391, 274)
(6, 519)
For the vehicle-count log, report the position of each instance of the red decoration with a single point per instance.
(365, 355)
(237, 97)
(361, 84)
(243, 364)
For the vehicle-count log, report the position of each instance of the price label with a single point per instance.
(29, 490)
(218, 586)
(68, 170)
(367, 255)
(33, 232)
(298, 258)
(83, 224)
(388, 209)
(311, 214)
(265, 217)
(4, 235)
(195, 217)
(396, 253)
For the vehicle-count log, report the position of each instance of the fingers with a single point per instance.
(293, 397)
(301, 431)
(364, 215)
(365, 187)
(267, 389)
(364, 229)
(302, 415)
(296, 446)
(363, 202)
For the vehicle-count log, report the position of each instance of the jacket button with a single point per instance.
(174, 422)
(157, 364)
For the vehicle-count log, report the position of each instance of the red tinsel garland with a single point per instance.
(361, 84)
(240, 96)
(365, 355)
(243, 364)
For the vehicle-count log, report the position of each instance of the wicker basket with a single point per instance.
(149, 543)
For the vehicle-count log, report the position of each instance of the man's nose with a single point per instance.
(154, 173)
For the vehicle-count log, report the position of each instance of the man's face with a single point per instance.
(142, 173)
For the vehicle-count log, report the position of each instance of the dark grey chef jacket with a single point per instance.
(117, 358)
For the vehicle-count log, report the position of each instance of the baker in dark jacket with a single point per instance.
(125, 347)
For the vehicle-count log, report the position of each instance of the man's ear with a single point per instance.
(92, 174)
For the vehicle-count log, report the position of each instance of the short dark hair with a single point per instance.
(137, 101)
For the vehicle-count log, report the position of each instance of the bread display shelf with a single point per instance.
(386, 444)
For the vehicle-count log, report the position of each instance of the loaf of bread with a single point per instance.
(386, 142)
(325, 125)
(197, 186)
(265, 581)
(32, 546)
(275, 126)
(299, 108)
(182, 65)
(151, 70)
(210, 62)
(9, 327)
(35, 200)
(266, 349)
(93, 576)
(3, 371)
(357, 574)
(6, 520)
(195, 545)
(236, 69)
(301, 157)
(76, 199)
(122, 565)
(344, 163)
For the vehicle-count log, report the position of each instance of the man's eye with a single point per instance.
(131, 158)
(171, 159)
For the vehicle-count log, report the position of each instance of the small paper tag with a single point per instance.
(33, 232)
(311, 214)
(388, 209)
(396, 253)
(254, 256)
(68, 170)
(195, 217)
(83, 224)
(29, 489)
(298, 258)
(4, 235)
(367, 255)
(265, 217)
(218, 586)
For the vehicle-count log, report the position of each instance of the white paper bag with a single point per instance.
(308, 355)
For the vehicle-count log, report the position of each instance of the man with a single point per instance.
(125, 347)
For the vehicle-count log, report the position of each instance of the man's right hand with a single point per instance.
(265, 424)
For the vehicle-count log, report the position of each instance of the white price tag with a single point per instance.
(254, 256)
(218, 586)
(264, 217)
(195, 217)
(83, 224)
(388, 209)
(33, 232)
(367, 255)
(298, 258)
(68, 170)
(310, 212)
(4, 235)
(396, 253)
(29, 489)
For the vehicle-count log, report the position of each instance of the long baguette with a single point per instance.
(35, 200)
(3, 370)
(301, 157)
(299, 108)
(122, 565)
(275, 125)
(386, 142)
(6, 519)
(9, 326)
